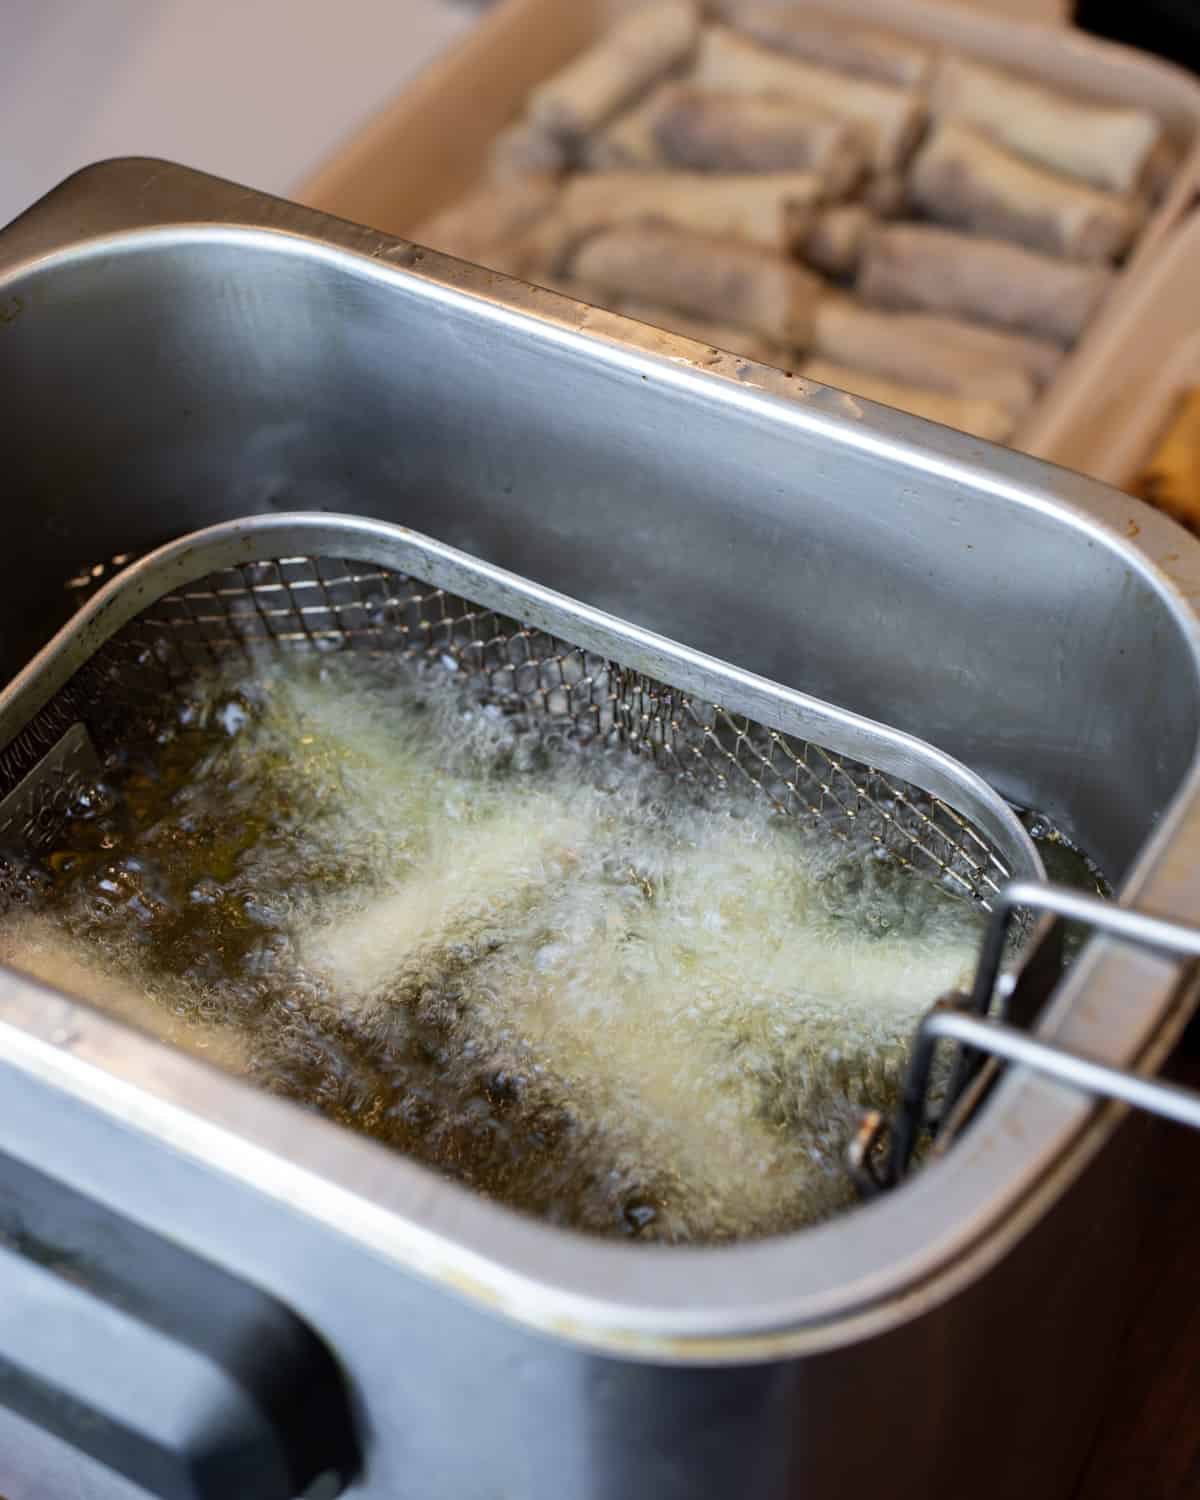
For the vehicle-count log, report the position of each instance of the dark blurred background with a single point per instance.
(1169, 27)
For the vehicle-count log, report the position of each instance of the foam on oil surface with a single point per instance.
(557, 975)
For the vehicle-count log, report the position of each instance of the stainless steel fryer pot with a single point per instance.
(176, 351)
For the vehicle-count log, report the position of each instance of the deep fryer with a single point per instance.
(177, 352)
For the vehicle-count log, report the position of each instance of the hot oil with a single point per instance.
(556, 974)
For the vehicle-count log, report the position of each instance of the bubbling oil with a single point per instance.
(555, 974)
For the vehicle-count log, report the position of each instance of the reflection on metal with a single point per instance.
(965, 1020)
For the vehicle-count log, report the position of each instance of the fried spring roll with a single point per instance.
(848, 334)
(730, 283)
(835, 242)
(984, 419)
(1105, 145)
(635, 52)
(489, 216)
(525, 150)
(770, 209)
(937, 270)
(890, 117)
(959, 177)
(721, 130)
(833, 44)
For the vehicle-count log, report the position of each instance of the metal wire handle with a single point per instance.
(964, 1019)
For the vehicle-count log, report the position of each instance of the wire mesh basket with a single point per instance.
(329, 584)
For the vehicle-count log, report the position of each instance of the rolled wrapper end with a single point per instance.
(834, 43)
(525, 150)
(835, 242)
(717, 280)
(890, 117)
(1105, 145)
(730, 131)
(492, 215)
(979, 418)
(939, 270)
(636, 52)
(962, 178)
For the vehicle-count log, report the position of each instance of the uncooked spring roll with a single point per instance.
(626, 60)
(889, 116)
(959, 177)
(735, 284)
(493, 214)
(835, 241)
(1039, 358)
(862, 338)
(631, 140)
(525, 150)
(1108, 146)
(937, 270)
(886, 195)
(770, 209)
(836, 44)
(704, 331)
(724, 131)
(984, 419)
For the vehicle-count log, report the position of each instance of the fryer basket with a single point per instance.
(288, 581)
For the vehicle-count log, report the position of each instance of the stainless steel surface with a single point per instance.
(1167, 1100)
(338, 582)
(176, 352)
(968, 1026)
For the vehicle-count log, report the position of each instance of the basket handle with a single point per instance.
(966, 1021)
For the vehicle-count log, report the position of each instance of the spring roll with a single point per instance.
(735, 284)
(1038, 358)
(770, 209)
(544, 251)
(848, 334)
(889, 117)
(627, 60)
(491, 215)
(936, 270)
(961, 178)
(1161, 167)
(835, 241)
(715, 335)
(490, 871)
(718, 130)
(1107, 146)
(631, 140)
(886, 195)
(836, 44)
(984, 419)
(524, 150)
